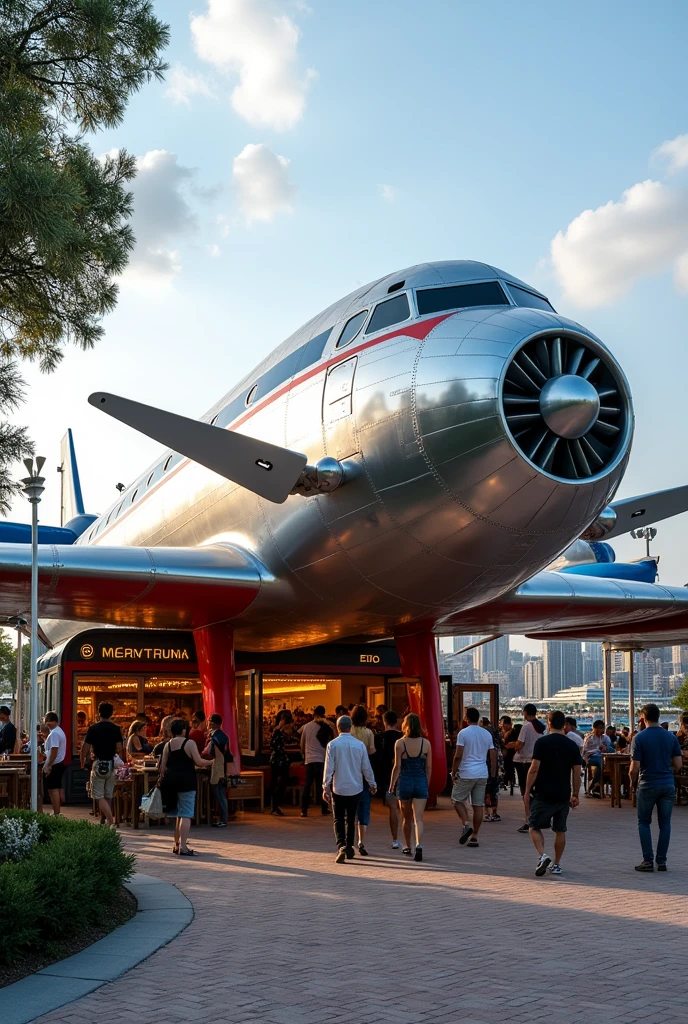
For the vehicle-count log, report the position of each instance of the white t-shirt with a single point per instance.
(528, 736)
(312, 747)
(56, 738)
(578, 740)
(476, 743)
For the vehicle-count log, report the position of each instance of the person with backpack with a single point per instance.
(218, 751)
(315, 736)
(177, 783)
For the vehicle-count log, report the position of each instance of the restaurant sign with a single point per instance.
(132, 647)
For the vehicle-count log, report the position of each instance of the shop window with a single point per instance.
(298, 694)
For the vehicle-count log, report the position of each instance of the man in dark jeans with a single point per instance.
(655, 757)
(218, 750)
(315, 736)
(346, 766)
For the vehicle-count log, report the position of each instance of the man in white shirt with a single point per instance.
(531, 731)
(346, 766)
(313, 753)
(55, 760)
(474, 746)
(571, 730)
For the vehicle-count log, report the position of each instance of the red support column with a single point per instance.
(215, 654)
(418, 658)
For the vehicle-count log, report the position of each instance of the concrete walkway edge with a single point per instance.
(163, 912)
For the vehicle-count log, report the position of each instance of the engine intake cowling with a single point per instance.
(567, 406)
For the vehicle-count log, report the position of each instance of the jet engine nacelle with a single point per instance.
(488, 444)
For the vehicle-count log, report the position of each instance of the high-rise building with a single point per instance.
(516, 680)
(679, 659)
(492, 656)
(462, 664)
(592, 663)
(562, 665)
(533, 679)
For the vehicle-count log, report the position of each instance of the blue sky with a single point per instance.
(299, 150)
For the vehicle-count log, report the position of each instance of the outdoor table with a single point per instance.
(618, 766)
(12, 773)
(251, 787)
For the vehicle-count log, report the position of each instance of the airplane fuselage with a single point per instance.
(451, 494)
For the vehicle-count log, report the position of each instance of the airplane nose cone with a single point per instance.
(569, 405)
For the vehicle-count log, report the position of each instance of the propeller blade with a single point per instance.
(647, 509)
(258, 466)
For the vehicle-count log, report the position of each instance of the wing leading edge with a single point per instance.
(167, 588)
(559, 606)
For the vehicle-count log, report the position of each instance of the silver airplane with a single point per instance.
(406, 465)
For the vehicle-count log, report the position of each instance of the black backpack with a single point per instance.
(324, 734)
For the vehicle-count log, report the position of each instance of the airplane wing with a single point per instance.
(169, 588)
(563, 606)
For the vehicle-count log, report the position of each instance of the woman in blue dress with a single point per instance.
(410, 777)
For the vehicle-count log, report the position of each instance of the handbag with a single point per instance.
(151, 803)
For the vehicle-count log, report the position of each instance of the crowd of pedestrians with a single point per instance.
(347, 762)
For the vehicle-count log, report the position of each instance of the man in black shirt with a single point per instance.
(549, 794)
(8, 732)
(105, 740)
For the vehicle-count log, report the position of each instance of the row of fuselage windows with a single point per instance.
(385, 314)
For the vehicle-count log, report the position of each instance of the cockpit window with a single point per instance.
(436, 300)
(391, 311)
(523, 298)
(351, 328)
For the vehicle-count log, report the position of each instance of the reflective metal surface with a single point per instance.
(569, 405)
(441, 510)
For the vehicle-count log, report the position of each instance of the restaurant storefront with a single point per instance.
(156, 673)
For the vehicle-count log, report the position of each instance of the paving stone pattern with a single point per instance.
(282, 935)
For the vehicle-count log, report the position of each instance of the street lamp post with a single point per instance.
(19, 710)
(33, 489)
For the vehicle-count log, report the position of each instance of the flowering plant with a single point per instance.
(17, 838)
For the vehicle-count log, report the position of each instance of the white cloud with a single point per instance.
(604, 251)
(255, 40)
(262, 181)
(215, 251)
(674, 153)
(161, 216)
(389, 193)
(182, 84)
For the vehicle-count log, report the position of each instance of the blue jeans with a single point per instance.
(647, 798)
(221, 797)
(595, 762)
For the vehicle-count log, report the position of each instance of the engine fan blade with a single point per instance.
(648, 508)
(263, 468)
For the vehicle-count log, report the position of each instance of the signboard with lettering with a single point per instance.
(132, 647)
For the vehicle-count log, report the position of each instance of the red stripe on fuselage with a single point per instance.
(418, 330)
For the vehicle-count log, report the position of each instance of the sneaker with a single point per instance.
(488, 817)
(472, 842)
(524, 829)
(496, 817)
(542, 865)
(278, 811)
(406, 851)
(418, 855)
(465, 835)
(221, 824)
(341, 856)
(362, 850)
(304, 814)
(350, 852)
(661, 867)
(395, 844)
(555, 869)
(646, 865)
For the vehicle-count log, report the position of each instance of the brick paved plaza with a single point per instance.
(282, 934)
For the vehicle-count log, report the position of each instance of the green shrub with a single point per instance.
(18, 913)
(68, 880)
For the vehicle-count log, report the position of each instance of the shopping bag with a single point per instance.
(151, 804)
